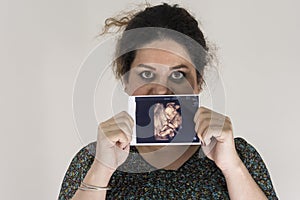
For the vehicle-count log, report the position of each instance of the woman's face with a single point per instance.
(162, 68)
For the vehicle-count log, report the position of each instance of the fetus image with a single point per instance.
(167, 120)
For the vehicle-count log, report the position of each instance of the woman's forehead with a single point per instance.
(166, 52)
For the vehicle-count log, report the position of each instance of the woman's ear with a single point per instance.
(124, 83)
(197, 89)
(200, 85)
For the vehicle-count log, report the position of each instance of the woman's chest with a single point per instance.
(165, 184)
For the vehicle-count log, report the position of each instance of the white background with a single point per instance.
(42, 44)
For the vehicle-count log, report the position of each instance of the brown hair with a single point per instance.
(161, 16)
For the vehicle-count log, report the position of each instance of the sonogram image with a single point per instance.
(167, 120)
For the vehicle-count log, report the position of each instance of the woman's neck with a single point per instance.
(167, 157)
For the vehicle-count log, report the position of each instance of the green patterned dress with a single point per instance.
(197, 178)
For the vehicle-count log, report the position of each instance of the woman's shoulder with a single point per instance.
(82, 160)
(256, 166)
(241, 144)
(251, 159)
(86, 153)
(245, 149)
(77, 170)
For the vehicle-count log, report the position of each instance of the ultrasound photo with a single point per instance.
(166, 119)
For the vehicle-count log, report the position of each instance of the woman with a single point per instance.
(231, 168)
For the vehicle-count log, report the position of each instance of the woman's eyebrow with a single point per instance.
(180, 66)
(146, 66)
(172, 68)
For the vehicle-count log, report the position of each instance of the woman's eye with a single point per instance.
(177, 75)
(147, 75)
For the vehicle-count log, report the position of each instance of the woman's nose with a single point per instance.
(158, 89)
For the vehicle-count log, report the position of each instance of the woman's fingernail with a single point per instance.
(124, 147)
(202, 142)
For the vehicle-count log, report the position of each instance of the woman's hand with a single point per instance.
(215, 132)
(113, 141)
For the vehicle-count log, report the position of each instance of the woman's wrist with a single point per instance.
(98, 174)
(234, 169)
(100, 167)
